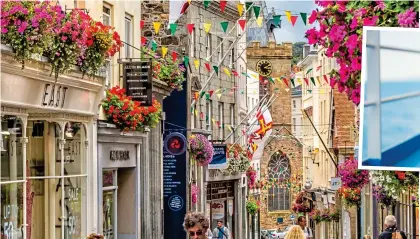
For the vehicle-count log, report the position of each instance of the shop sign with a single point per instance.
(138, 81)
(117, 155)
(219, 158)
(54, 96)
(218, 210)
(175, 144)
(335, 183)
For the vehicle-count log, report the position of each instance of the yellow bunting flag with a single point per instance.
(289, 16)
(278, 79)
(213, 120)
(219, 95)
(259, 21)
(207, 27)
(287, 89)
(189, 1)
(218, 90)
(299, 81)
(317, 79)
(230, 128)
(156, 25)
(255, 76)
(226, 72)
(322, 91)
(164, 51)
(240, 9)
(197, 63)
(196, 112)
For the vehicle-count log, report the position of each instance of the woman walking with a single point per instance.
(295, 232)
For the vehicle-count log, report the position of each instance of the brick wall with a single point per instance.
(344, 119)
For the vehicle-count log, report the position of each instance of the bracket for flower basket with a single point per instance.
(70, 9)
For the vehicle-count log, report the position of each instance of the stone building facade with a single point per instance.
(282, 152)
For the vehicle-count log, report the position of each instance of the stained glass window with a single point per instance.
(279, 171)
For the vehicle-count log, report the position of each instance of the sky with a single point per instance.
(400, 66)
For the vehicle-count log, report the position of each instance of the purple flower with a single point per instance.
(22, 27)
(408, 18)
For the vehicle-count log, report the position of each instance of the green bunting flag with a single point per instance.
(206, 3)
(248, 5)
(216, 69)
(309, 71)
(276, 19)
(173, 27)
(202, 94)
(310, 91)
(207, 96)
(192, 109)
(304, 17)
(313, 80)
(257, 11)
(154, 45)
(224, 25)
(271, 79)
(186, 60)
(293, 82)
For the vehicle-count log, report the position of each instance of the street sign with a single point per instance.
(138, 81)
(292, 217)
(279, 220)
(335, 183)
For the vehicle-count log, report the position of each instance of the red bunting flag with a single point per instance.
(218, 124)
(223, 5)
(307, 81)
(319, 67)
(143, 41)
(325, 78)
(185, 7)
(190, 27)
(141, 24)
(174, 55)
(285, 82)
(293, 19)
(207, 66)
(211, 92)
(196, 96)
(235, 73)
(201, 115)
(242, 23)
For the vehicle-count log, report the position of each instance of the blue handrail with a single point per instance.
(394, 98)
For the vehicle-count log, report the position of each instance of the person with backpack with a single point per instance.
(306, 230)
(391, 231)
(221, 232)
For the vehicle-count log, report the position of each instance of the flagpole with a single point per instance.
(246, 117)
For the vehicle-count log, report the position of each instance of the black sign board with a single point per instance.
(138, 81)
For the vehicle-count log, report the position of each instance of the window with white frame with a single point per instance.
(232, 55)
(209, 47)
(221, 119)
(128, 35)
(220, 49)
(107, 15)
(208, 115)
(294, 104)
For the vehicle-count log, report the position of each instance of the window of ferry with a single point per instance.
(11, 178)
(56, 202)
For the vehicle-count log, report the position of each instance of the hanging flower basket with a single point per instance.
(195, 190)
(301, 204)
(351, 196)
(129, 115)
(200, 148)
(166, 70)
(252, 207)
(351, 176)
(382, 197)
(238, 161)
(251, 174)
(315, 215)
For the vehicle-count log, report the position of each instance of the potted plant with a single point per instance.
(166, 70)
(238, 161)
(251, 207)
(200, 149)
(315, 215)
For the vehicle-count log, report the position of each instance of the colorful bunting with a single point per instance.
(141, 24)
(222, 5)
(224, 26)
(313, 80)
(186, 60)
(185, 7)
(164, 51)
(293, 19)
(156, 26)
(227, 72)
(207, 96)
(321, 91)
(317, 79)
(154, 45)
(201, 115)
(259, 21)
(190, 27)
(196, 95)
(143, 41)
(235, 73)
(293, 82)
(173, 27)
(216, 69)
(310, 91)
(248, 5)
(257, 11)
(307, 72)
(207, 27)
(299, 81)
(285, 82)
(240, 8)
(174, 55)
(304, 17)
(306, 81)
(271, 79)
(242, 23)
(318, 67)
(196, 112)
(202, 94)
(197, 63)
(219, 95)
(287, 89)
(206, 3)
(207, 65)
(276, 19)
(289, 15)
(230, 128)
(211, 92)
(325, 78)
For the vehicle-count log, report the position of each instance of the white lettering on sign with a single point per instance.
(54, 96)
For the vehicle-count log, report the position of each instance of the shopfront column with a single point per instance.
(24, 142)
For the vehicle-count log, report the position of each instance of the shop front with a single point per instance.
(120, 186)
(46, 147)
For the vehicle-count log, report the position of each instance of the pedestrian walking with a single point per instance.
(391, 231)
(295, 232)
(221, 232)
(367, 237)
(196, 225)
(306, 230)
(209, 234)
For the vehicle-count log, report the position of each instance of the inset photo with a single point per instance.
(390, 104)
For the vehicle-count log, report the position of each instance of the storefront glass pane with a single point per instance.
(218, 209)
(230, 213)
(74, 150)
(11, 164)
(108, 178)
(75, 208)
(35, 149)
(108, 214)
(11, 211)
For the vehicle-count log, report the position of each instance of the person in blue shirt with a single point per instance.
(221, 232)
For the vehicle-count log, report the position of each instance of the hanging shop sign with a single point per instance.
(335, 183)
(219, 158)
(175, 144)
(138, 81)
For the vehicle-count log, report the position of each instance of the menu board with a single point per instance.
(138, 81)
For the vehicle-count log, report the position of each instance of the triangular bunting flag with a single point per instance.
(216, 69)
(235, 73)
(196, 95)
(289, 15)
(174, 55)
(186, 61)
(143, 41)
(299, 81)
(287, 89)
(293, 82)
(317, 79)
(230, 128)
(257, 11)
(185, 7)
(304, 17)
(213, 120)
(141, 24)
(219, 95)
(202, 94)
(310, 91)
(285, 82)
(306, 81)
(313, 80)
(271, 79)
(207, 65)
(222, 5)
(248, 5)
(206, 3)
(211, 92)
(173, 27)
(190, 27)
(240, 9)
(242, 23)
(156, 26)
(259, 21)
(325, 78)
(224, 26)
(318, 67)
(307, 72)
(154, 45)
(276, 19)
(321, 91)
(218, 124)
(197, 63)
(207, 96)
(196, 112)
(293, 19)
(192, 109)
(164, 51)
(227, 72)
(207, 27)
(201, 115)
